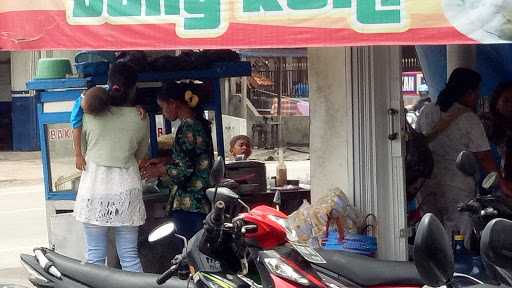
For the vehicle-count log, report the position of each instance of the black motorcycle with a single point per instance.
(216, 256)
(434, 255)
(488, 203)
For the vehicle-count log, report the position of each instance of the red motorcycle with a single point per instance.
(264, 241)
(342, 268)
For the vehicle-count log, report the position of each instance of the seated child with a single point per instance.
(240, 147)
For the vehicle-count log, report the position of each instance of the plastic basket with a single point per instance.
(95, 56)
(340, 247)
(99, 68)
(356, 243)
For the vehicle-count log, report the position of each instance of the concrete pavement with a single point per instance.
(22, 214)
(14, 278)
(22, 222)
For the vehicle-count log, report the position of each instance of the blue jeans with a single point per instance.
(126, 244)
(187, 223)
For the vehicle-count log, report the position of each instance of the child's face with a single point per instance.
(242, 147)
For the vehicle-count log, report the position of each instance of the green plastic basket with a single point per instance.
(53, 68)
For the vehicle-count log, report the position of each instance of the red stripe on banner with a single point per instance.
(35, 30)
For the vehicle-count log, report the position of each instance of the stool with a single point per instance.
(274, 134)
(261, 130)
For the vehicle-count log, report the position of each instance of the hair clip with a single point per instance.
(116, 88)
(191, 99)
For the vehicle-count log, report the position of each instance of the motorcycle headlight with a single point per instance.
(279, 267)
(283, 222)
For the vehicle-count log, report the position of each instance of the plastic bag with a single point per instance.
(300, 223)
(332, 213)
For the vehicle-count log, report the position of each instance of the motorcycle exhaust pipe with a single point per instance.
(36, 277)
(46, 264)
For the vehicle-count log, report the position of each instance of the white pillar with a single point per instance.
(23, 68)
(351, 91)
(460, 56)
(331, 120)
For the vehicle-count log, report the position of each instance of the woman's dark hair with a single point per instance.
(122, 77)
(498, 130)
(460, 82)
(173, 91)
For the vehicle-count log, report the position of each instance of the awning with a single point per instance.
(185, 24)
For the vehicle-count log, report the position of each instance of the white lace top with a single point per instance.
(110, 196)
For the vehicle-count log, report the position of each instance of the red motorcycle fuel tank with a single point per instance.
(270, 233)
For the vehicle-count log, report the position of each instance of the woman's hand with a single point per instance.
(151, 162)
(80, 162)
(153, 171)
(142, 112)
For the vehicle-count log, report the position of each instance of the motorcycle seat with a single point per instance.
(366, 271)
(104, 277)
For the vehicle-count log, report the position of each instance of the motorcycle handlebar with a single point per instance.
(489, 212)
(468, 207)
(218, 214)
(167, 275)
(214, 222)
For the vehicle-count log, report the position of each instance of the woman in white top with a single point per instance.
(448, 186)
(110, 192)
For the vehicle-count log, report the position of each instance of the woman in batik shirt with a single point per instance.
(187, 168)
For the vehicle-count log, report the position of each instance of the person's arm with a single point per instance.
(177, 169)
(195, 142)
(180, 166)
(143, 145)
(479, 145)
(76, 123)
(489, 165)
(77, 145)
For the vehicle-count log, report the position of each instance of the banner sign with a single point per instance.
(182, 24)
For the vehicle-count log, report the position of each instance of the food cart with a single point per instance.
(54, 98)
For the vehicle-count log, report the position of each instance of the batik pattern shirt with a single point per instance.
(188, 172)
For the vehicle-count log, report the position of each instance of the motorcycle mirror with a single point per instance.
(222, 194)
(495, 247)
(433, 254)
(467, 164)
(490, 180)
(217, 172)
(162, 231)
